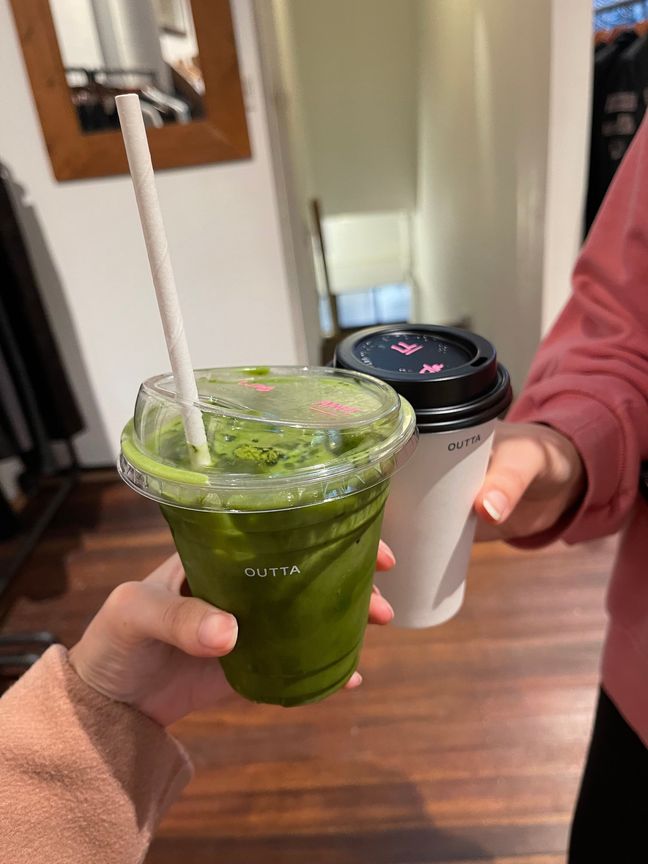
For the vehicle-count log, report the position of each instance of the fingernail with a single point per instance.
(389, 609)
(387, 553)
(218, 631)
(376, 590)
(355, 680)
(496, 504)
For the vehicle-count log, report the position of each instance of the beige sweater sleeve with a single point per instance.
(82, 778)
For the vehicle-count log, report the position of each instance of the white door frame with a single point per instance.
(295, 231)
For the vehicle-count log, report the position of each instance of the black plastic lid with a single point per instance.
(450, 376)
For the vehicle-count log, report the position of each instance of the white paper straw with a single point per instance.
(148, 204)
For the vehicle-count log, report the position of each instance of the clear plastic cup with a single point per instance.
(282, 528)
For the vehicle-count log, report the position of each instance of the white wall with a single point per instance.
(278, 31)
(484, 109)
(354, 70)
(448, 176)
(225, 237)
(77, 33)
(569, 139)
(504, 139)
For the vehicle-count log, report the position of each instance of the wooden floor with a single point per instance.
(464, 744)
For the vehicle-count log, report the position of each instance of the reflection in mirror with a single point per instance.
(147, 47)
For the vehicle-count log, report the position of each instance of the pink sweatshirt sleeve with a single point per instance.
(82, 778)
(589, 379)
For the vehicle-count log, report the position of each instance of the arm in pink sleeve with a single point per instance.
(589, 379)
(82, 778)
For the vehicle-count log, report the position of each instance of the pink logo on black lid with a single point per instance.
(404, 348)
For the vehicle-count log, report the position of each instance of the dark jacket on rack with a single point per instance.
(37, 405)
(619, 104)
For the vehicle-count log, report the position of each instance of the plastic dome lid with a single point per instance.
(279, 437)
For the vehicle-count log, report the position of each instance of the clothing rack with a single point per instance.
(95, 110)
(91, 74)
(38, 408)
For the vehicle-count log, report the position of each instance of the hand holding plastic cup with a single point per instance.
(273, 482)
(282, 528)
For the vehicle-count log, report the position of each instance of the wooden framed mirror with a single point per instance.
(179, 55)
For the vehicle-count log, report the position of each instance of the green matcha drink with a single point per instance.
(282, 528)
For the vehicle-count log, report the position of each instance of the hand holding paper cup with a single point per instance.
(458, 390)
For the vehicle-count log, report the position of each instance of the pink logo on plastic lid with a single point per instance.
(262, 388)
(326, 406)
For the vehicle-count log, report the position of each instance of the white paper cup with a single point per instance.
(458, 390)
(430, 525)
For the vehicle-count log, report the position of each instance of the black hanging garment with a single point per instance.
(619, 104)
(37, 405)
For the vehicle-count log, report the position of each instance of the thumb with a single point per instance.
(136, 611)
(515, 463)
